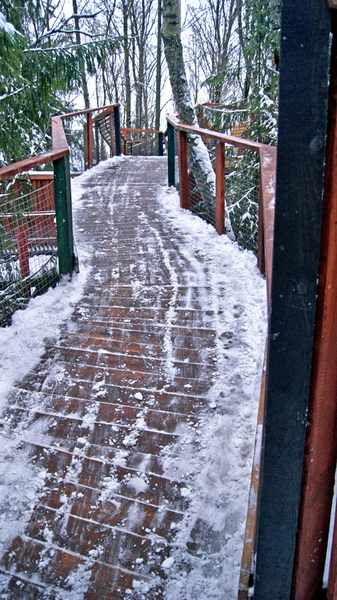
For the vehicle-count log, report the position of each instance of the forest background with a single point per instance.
(57, 55)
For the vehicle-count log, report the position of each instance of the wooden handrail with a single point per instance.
(60, 149)
(59, 140)
(267, 155)
(107, 110)
(215, 135)
(88, 110)
(10, 171)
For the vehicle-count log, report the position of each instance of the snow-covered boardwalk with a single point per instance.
(139, 419)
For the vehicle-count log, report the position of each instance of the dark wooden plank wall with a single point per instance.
(302, 127)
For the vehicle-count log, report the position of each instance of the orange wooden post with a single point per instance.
(22, 241)
(183, 170)
(261, 263)
(89, 139)
(220, 188)
(321, 439)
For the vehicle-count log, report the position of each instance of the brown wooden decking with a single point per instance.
(108, 405)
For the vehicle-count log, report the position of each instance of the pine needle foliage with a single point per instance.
(39, 71)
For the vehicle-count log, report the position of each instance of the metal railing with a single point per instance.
(246, 203)
(36, 233)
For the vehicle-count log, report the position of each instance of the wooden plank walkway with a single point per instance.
(127, 378)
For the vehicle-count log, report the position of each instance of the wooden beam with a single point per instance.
(300, 160)
(268, 156)
(321, 440)
(183, 170)
(214, 135)
(250, 531)
(76, 113)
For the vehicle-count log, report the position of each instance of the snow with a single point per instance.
(212, 459)
(5, 26)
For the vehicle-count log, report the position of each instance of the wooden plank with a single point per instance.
(31, 163)
(220, 187)
(41, 176)
(268, 189)
(250, 531)
(261, 262)
(183, 170)
(300, 161)
(106, 110)
(59, 140)
(321, 441)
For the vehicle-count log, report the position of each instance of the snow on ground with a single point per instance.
(214, 460)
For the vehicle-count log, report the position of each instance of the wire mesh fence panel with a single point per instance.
(241, 193)
(76, 134)
(201, 191)
(28, 244)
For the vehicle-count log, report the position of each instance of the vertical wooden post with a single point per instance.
(321, 440)
(170, 155)
(112, 135)
(300, 161)
(117, 125)
(22, 241)
(183, 170)
(63, 212)
(220, 187)
(97, 141)
(160, 144)
(89, 139)
(261, 263)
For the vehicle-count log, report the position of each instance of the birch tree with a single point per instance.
(198, 157)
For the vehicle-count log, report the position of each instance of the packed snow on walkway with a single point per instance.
(214, 460)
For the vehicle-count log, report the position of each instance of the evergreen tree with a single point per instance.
(40, 67)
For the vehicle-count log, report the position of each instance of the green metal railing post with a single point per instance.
(170, 155)
(64, 224)
(117, 124)
(160, 143)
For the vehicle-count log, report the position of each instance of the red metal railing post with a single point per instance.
(183, 170)
(220, 187)
(89, 139)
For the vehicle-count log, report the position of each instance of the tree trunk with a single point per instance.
(198, 157)
(158, 70)
(81, 62)
(126, 64)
